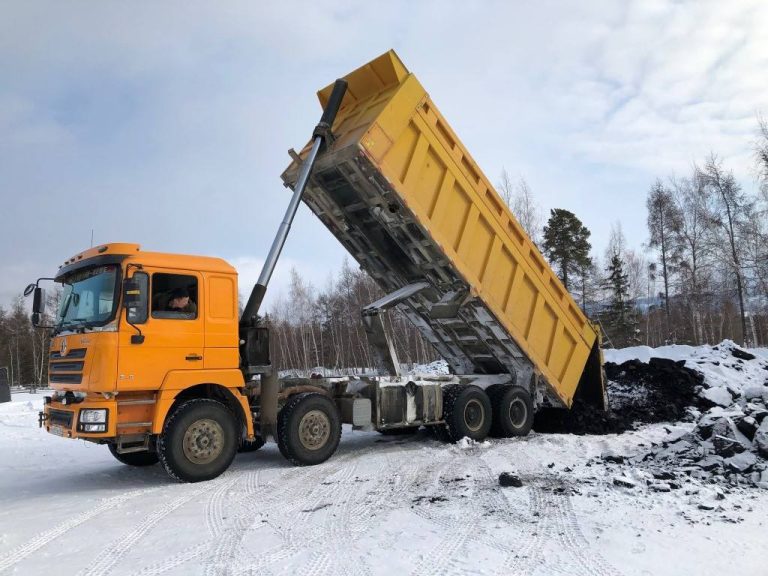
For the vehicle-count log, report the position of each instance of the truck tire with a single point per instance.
(250, 445)
(467, 412)
(308, 429)
(199, 440)
(512, 411)
(145, 458)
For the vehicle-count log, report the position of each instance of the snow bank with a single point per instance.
(645, 353)
(17, 412)
(728, 443)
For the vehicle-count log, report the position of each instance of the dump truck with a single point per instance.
(150, 357)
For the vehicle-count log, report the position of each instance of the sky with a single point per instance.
(169, 124)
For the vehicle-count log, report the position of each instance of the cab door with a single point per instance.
(172, 339)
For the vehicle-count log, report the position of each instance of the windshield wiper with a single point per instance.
(71, 324)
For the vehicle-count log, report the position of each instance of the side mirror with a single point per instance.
(135, 298)
(38, 304)
(29, 289)
(132, 296)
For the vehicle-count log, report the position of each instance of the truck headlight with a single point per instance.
(94, 427)
(93, 416)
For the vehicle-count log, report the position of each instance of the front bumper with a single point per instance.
(64, 419)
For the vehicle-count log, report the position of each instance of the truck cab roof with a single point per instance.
(117, 252)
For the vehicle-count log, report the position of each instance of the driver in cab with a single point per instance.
(179, 302)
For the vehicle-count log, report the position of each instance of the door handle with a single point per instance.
(193, 357)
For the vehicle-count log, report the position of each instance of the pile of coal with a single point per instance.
(661, 390)
(726, 445)
(718, 450)
(726, 439)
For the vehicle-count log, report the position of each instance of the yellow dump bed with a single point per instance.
(400, 191)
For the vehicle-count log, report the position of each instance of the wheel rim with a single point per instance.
(474, 415)
(518, 413)
(203, 441)
(314, 429)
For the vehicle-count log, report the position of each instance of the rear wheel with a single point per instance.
(145, 458)
(512, 411)
(308, 429)
(467, 412)
(199, 440)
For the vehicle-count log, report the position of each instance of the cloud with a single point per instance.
(168, 124)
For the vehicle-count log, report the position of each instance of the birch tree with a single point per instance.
(663, 223)
(728, 212)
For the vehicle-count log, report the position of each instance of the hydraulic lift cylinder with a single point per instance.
(322, 136)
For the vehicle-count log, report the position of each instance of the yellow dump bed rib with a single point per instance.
(404, 196)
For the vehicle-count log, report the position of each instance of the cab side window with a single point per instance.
(174, 296)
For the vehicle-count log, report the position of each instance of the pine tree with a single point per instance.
(729, 214)
(566, 244)
(621, 319)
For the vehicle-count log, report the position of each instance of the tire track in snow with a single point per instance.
(283, 519)
(108, 557)
(298, 537)
(20, 552)
(526, 559)
(441, 559)
(338, 525)
(529, 558)
(224, 540)
(214, 520)
(214, 509)
(552, 504)
(282, 496)
(355, 511)
(498, 505)
(196, 551)
(573, 539)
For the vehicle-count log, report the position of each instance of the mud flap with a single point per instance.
(591, 388)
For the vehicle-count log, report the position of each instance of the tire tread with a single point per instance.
(163, 448)
(283, 428)
(451, 398)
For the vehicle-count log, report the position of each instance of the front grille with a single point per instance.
(65, 378)
(61, 418)
(67, 367)
(74, 353)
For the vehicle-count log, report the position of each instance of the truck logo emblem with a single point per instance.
(63, 349)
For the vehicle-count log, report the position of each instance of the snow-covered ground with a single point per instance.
(381, 505)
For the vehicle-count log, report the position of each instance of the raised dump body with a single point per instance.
(403, 195)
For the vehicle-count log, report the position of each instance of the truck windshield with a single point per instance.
(88, 299)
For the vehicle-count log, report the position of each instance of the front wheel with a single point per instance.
(145, 458)
(199, 440)
(308, 429)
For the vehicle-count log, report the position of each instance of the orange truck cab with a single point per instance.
(118, 370)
